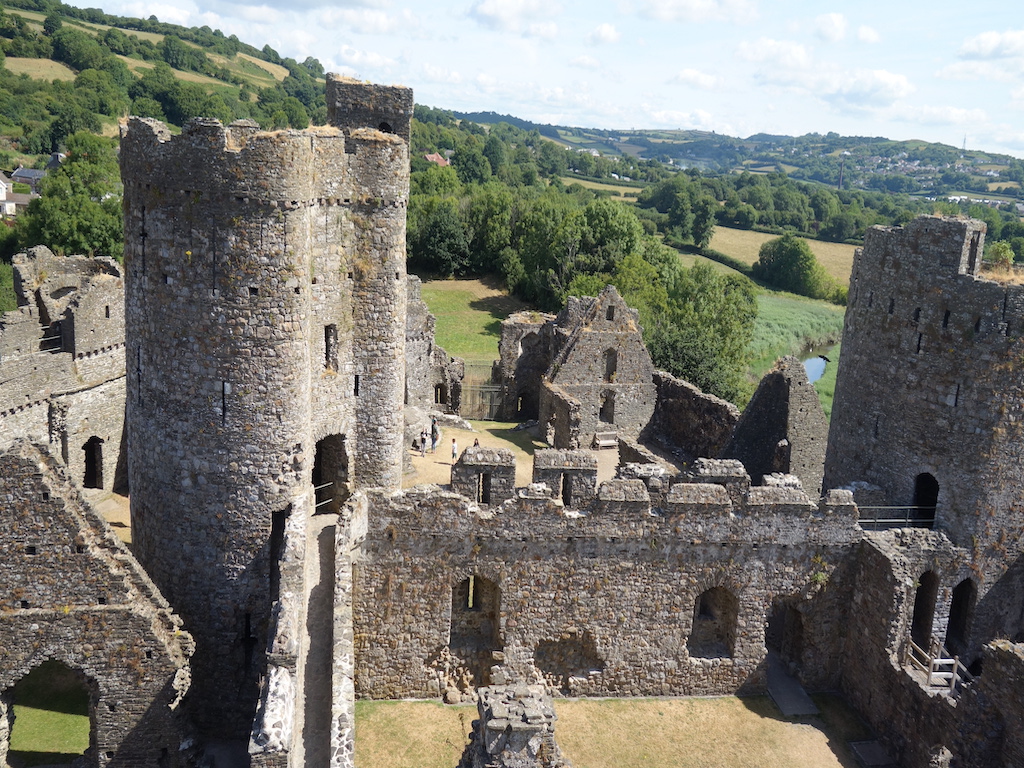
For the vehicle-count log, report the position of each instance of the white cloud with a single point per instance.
(434, 74)
(366, 21)
(366, 59)
(783, 53)
(586, 62)
(696, 78)
(982, 70)
(698, 119)
(868, 34)
(604, 33)
(930, 115)
(994, 45)
(699, 10)
(831, 27)
(529, 17)
(864, 88)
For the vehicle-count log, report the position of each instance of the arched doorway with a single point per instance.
(960, 609)
(54, 716)
(784, 634)
(926, 496)
(93, 449)
(924, 609)
(330, 473)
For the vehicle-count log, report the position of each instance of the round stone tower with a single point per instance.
(265, 319)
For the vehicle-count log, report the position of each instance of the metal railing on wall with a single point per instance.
(883, 518)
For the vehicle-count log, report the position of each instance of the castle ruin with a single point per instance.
(268, 344)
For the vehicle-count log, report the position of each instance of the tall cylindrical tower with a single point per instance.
(265, 331)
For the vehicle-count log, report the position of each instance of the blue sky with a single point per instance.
(937, 71)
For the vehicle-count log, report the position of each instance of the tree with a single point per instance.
(79, 210)
(788, 264)
(442, 245)
(1001, 255)
(704, 221)
(51, 24)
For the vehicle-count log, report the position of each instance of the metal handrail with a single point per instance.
(905, 520)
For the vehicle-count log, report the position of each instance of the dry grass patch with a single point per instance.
(743, 244)
(618, 189)
(39, 69)
(275, 70)
(723, 732)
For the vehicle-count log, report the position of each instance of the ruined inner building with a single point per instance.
(248, 377)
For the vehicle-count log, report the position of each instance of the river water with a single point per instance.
(813, 362)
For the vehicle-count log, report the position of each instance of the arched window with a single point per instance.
(475, 627)
(924, 609)
(713, 635)
(330, 473)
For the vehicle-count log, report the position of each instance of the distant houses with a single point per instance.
(12, 203)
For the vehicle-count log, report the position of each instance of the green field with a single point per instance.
(744, 244)
(39, 69)
(469, 315)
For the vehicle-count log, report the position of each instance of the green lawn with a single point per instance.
(787, 324)
(51, 709)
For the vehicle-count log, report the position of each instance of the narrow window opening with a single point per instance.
(917, 315)
(106, 311)
(977, 325)
(24, 603)
(102, 600)
(607, 414)
(871, 299)
(470, 593)
(610, 314)
(46, 495)
(611, 364)
(566, 491)
(225, 390)
(945, 319)
(877, 420)
(892, 305)
(956, 397)
(254, 291)
(30, 550)
(167, 280)
(919, 337)
(355, 386)
(278, 521)
(331, 347)
(484, 491)
(440, 394)
(973, 261)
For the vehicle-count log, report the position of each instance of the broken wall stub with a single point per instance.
(689, 421)
(612, 575)
(525, 349)
(265, 312)
(72, 593)
(930, 345)
(485, 475)
(62, 362)
(515, 728)
(783, 428)
(570, 474)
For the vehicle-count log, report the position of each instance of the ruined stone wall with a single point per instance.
(428, 366)
(571, 475)
(382, 107)
(690, 421)
(71, 592)
(603, 364)
(928, 382)
(62, 361)
(912, 720)
(243, 249)
(783, 428)
(525, 351)
(560, 417)
(485, 475)
(599, 601)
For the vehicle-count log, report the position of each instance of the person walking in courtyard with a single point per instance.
(423, 443)
(455, 450)
(434, 434)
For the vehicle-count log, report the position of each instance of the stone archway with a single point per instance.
(51, 710)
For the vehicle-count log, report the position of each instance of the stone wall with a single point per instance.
(598, 601)
(571, 475)
(601, 362)
(433, 380)
(689, 421)
(72, 593)
(929, 346)
(62, 362)
(515, 728)
(783, 428)
(485, 475)
(525, 350)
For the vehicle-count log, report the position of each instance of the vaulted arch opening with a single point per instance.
(331, 473)
(713, 635)
(924, 609)
(926, 495)
(51, 714)
(475, 633)
(961, 609)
